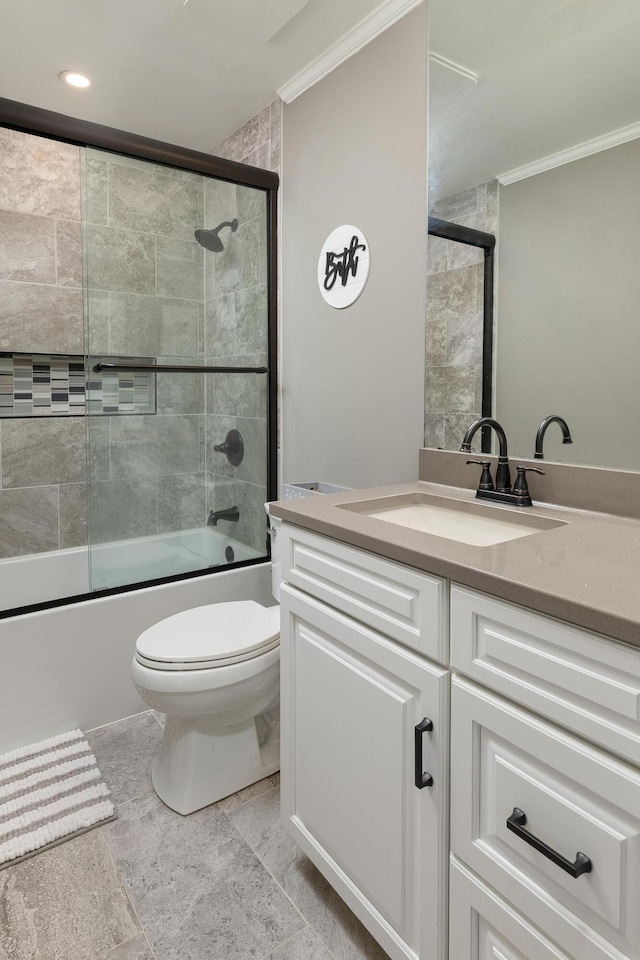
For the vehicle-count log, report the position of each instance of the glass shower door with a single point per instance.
(175, 284)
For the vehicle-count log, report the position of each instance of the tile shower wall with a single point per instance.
(145, 279)
(453, 393)
(46, 385)
(148, 294)
(235, 330)
(258, 141)
(236, 335)
(42, 462)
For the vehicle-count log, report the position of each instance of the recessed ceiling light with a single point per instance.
(75, 79)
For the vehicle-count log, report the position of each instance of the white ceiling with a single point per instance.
(187, 73)
(551, 74)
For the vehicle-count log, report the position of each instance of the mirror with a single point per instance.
(534, 115)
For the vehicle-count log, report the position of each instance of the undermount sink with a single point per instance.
(470, 523)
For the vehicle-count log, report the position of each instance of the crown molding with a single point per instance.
(368, 29)
(454, 67)
(605, 142)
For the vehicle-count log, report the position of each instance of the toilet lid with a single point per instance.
(214, 635)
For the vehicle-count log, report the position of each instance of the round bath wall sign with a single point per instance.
(343, 267)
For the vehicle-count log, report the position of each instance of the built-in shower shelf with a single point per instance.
(54, 385)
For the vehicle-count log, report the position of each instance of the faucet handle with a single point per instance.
(486, 483)
(523, 471)
(520, 487)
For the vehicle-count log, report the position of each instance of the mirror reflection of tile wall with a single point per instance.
(455, 282)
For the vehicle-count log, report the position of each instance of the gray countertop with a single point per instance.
(586, 571)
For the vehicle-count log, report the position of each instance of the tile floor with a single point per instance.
(226, 883)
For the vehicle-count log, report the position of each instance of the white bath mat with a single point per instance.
(49, 792)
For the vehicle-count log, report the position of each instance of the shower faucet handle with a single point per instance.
(232, 446)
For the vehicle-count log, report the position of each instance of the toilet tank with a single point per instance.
(276, 558)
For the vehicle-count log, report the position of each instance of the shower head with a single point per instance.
(210, 240)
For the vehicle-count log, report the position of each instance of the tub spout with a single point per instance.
(231, 513)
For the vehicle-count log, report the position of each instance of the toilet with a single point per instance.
(215, 672)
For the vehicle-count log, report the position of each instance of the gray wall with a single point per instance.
(569, 290)
(354, 151)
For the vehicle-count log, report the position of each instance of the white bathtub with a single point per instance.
(69, 666)
(41, 577)
(149, 558)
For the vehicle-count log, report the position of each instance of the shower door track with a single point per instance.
(174, 368)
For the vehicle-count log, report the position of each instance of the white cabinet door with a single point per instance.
(355, 752)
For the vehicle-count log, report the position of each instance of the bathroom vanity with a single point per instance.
(465, 769)
(365, 718)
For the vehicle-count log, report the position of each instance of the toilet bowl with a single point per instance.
(214, 671)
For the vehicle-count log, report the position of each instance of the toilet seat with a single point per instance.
(208, 637)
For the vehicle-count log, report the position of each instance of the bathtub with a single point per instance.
(41, 577)
(69, 665)
(150, 558)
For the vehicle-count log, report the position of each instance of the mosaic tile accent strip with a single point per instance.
(45, 385)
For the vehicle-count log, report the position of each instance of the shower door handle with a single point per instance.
(173, 368)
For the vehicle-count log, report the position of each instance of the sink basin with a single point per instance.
(471, 523)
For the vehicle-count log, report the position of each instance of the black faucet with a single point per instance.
(542, 429)
(503, 477)
(502, 491)
(231, 513)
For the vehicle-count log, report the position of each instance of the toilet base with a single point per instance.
(200, 764)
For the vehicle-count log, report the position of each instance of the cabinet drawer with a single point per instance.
(484, 927)
(400, 602)
(582, 680)
(575, 800)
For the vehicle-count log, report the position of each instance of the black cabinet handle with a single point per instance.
(516, 822)
(422, 779)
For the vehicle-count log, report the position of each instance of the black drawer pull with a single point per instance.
(422, 779)
(516, 822)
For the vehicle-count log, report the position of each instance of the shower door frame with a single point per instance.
(84, 133)
(458, 233)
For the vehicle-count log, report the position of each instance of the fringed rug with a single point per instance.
(49, 792)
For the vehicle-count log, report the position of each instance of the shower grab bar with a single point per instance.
(175, 368)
